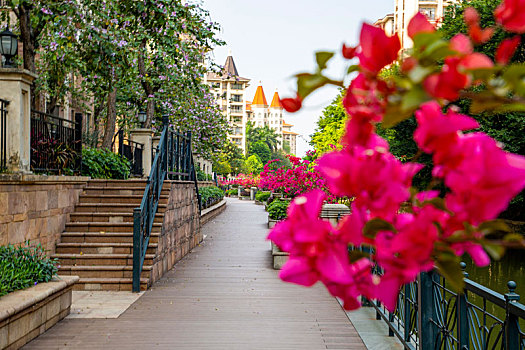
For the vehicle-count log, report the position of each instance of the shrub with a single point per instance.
(104, 164)
(262, 196)
(232, 192)
(277, 209)
(210, 195)
(23, 267)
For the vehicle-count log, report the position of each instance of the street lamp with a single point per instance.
(8, 46)
(142, 118)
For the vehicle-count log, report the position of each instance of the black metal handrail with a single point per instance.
(173, 160)
(56, 143)
(433, 316)
(3, 134)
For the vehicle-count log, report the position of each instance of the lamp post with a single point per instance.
(142, 118)
(8, 46)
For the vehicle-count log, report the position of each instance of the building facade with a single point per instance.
(229, 90)
(406, 9)
(261, 114)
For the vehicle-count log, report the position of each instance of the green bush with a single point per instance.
(104, 164)
(210, 196)
(277, 209)
(23, 267)
(262, 196)
(202, 176)
(232, 192)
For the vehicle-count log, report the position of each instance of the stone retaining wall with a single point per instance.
(211, 212)
(180, 229)
(36, 207)
(25, 314)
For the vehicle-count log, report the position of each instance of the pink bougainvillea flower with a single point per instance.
(461, 44)
(350, 228)
(506, 49)
(511, 16)
(437, 131)
(476, 33)
(292, 104)
(476, 60)
(419, 24)
(448, 83)
(408, 64)
(349, 52)
(377, 49)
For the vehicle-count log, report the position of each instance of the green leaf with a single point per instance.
(413, 99)
(419, 73)
(395, 114)
(448, 266)
(493, 226)
(438, 203)
(496, 251)
(308, 83)
(352, 68)
(322, 57)
(513, 237)
(422, 40)
(373, 226)
(514, 76)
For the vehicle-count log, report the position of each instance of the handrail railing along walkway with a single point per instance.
(173, 160)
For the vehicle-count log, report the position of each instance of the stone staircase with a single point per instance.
(97, 244)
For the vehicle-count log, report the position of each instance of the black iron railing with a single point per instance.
(132, 151)
(173, 160)
(430, 315)
(56, 144)
(3, 134)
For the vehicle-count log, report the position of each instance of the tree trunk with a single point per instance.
(111, 119)
(26, 36)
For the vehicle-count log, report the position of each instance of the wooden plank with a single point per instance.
(224, 295)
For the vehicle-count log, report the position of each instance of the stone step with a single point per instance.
(106, 237)
(124, 191)
(100, 259)
(110, 271)
(112, 208)
(106, 226)
(100, 248)
(109, 217)
(111, 284)
(107, 198)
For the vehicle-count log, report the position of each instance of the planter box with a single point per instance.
(27, 313)
(272, 222)
(279, 257)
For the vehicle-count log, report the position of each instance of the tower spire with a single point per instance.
(259, 98)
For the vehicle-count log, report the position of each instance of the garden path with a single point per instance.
(224, 295)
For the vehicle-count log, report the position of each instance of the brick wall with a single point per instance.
(36, 208)
(180, 230)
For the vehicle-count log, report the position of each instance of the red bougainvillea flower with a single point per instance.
(292, 104)
(469, 59)
(472, 19)
(349, 52)
(377, 49)
(511, 16)
(449, 82)
(506, 49)
(408, 64)
(419, 24)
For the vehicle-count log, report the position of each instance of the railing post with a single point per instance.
(427, 312)
(462, 315)
(137, 250)
(408, 310)
(512, 331)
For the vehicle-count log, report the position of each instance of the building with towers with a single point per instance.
(229, 90)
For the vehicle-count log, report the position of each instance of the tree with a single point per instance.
(261, 134)
(262, 150)
(330, 127)
(254, 164)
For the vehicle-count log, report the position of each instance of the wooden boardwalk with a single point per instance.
(224, 295)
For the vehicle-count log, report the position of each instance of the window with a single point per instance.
(237, 86)
(216, 85)
(430, 12)
(236, 98)
(236, 109)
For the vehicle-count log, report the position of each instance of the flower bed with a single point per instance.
(210, 196)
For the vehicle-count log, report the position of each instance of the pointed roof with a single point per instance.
(276, 103)
(229, 67)
(259, 98)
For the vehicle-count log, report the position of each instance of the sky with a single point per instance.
(272, 40)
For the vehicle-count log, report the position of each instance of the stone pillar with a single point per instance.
(15, 87)
(253, 191)
(144, 136)
(155, 142)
